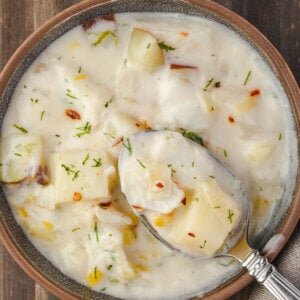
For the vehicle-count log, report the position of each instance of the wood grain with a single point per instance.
(277, 19)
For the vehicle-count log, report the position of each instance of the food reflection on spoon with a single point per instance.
(192, 203)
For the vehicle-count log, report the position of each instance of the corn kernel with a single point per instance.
(23, 212)
(80, 77)
(128, 235)
(158, 221)
(48, 225)
(94, 277)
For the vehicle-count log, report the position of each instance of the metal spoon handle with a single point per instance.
(266, 274)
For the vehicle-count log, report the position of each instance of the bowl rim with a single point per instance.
(284, 75)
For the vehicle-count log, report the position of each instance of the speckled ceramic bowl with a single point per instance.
(16, 242)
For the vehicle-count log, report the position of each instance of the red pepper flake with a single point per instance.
(191, 234)
(183, 201)
(118, 141)
(184, 33)
(137, 207)
(105, 204)
(159, 185)
(177, 66)
(255, 92)
(231, 119)
(73, 114)
(77, 196)
(144, 124)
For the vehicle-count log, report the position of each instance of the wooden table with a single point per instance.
(277, 19)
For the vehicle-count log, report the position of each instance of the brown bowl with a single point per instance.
(18, 245)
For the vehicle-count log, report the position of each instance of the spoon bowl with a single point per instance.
(235, 244)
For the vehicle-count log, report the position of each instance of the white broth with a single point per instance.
(91, 89)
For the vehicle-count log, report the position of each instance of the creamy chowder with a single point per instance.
(87, 93)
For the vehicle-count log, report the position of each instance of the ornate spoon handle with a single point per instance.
(266, 274)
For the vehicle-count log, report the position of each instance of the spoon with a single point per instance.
(144, 157)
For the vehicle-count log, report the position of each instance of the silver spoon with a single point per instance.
(257, 265)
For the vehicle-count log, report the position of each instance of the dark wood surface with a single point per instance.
(277, 19)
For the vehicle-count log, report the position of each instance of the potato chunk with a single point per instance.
(81, 175)
(144, 52)
(21, 156)
(207, 220)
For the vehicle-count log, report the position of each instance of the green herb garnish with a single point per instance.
(108, 102)
(164, 46)
(96, 231)
(192, 136)
(22, 129)
(128, 146)
(217, 84)
(103, 36)
(280, 136)
(98, 162)
(70, 170)
(208, 83)
(95, 272)
(76, 228)
(225, 153)
(114, 280)
(86, 159)
(247, 77)
(109, 267)
(42, 115)
(86, 129)
(18, 154)
(79, 69)
(36, 100)
(230, 215)
(108, 134)
(143, 166)
(70, 95)
(203, 245)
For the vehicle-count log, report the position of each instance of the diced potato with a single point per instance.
(259, 153)
(89, 173)
(201, 227)
(245, 105)
(21, 156)
(144, 52)
(222, 204)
